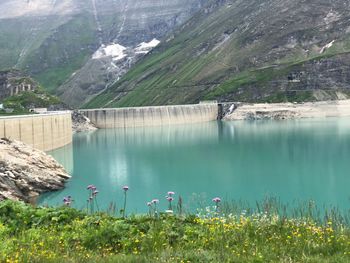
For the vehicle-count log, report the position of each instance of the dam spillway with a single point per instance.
(42, 131)
(152, 116)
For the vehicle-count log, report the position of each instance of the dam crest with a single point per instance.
(42, 131)
(152, 116)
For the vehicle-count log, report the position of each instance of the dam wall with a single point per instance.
(152, 116)
(42, 131)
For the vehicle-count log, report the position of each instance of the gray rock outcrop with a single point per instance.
(26, 172)
(81, 123)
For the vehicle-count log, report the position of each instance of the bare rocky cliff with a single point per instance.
(81, 123)
(26, 172)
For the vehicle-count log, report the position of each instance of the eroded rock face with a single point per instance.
(282, 111)
(81, 123)
(26, 172)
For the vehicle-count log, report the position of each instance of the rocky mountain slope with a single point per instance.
(26, 172)
(52, 40)
(19, 93)
(14, 81)
(245, 50)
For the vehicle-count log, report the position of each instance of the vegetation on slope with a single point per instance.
(62, 53)
(63, 234)
(244, 50)
(22, 102)
(53, 41)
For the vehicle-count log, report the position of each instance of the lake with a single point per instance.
(294, 160)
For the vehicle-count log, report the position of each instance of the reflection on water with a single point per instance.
(292, 160)
(65, 157)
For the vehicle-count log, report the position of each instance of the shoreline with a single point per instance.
(282, 111)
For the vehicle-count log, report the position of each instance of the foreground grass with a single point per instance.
(64, 234)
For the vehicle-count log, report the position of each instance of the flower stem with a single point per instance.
(124, 204)
(98, 209)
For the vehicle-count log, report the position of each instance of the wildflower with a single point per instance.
(155, 201)
(170, 193)
(92, 197)
(125, 188)
(150, 208)
(217, 200)
(170, 199)
(67, 200)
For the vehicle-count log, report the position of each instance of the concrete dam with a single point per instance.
(53, 130)
(152, 116)
(41, 131)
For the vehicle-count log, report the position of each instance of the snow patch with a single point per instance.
(145, 47)
(114, 50)
(329, 45)
(142, 52)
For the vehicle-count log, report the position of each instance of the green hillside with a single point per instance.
(52, 41)
(63, 53)
(245, 50)
(48, 48)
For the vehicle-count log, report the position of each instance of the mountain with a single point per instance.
(56, 42)
(245, 50)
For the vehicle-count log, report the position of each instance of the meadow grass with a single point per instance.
(64, 234)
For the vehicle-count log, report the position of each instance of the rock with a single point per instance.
(10, 174)
(81, 123)
(282, 111)
(33, 194)
(26, 172)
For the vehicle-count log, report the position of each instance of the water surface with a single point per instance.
(296, 160)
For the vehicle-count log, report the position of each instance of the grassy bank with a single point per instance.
(65, 234)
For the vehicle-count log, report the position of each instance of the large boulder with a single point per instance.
(26, 172)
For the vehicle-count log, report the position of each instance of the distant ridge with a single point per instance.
(245, 50)
(54, 41)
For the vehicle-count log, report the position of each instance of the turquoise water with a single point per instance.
(295, 161)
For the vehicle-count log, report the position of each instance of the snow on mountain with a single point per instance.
(114, 50)
(118, 52)
(145, 47)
